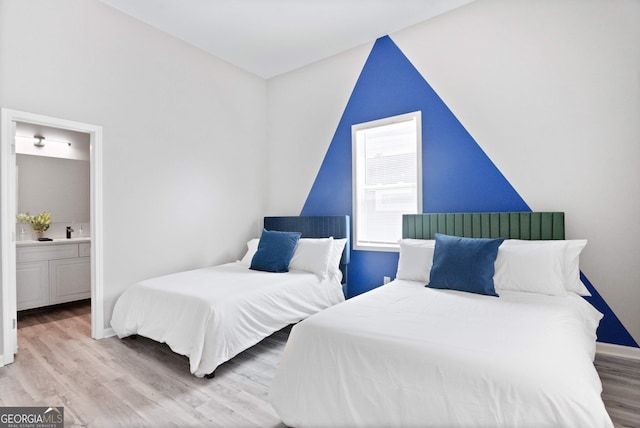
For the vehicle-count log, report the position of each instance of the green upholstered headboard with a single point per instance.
(509, 225)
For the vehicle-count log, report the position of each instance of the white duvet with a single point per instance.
(212, 314)
(404, 355)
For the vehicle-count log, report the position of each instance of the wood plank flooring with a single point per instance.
(133, 383)
(141, 383)
(620, 389)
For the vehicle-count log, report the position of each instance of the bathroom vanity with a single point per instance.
(52, 272)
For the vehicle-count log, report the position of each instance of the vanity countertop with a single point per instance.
(56, 241)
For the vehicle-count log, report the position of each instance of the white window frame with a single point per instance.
(358, 177)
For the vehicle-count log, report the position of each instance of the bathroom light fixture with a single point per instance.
(39, 140)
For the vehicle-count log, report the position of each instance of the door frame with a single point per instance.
(8, 210)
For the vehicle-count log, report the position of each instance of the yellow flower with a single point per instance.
(39, 223)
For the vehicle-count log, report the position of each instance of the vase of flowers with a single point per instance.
(39, 223)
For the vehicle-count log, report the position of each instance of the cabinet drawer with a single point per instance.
(46, 252)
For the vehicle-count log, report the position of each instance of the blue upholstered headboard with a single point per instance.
(317, 227)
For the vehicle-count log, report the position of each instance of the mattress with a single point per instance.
(408, 356)
(212, 314)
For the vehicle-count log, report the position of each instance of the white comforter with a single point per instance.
(408, 356)
(212, 314)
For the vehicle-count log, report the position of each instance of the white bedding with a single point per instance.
(212, 314)
(408, 356)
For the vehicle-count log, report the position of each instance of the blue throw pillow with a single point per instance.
(464, 264)
(275, 250)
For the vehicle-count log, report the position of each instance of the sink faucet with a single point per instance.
(69, 230)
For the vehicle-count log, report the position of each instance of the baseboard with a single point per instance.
(618, 350)
(108, 332)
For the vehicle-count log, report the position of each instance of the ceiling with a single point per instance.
(271, 37)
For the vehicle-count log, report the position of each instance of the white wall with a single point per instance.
(304, 108)
(550, 90)
(184, 133)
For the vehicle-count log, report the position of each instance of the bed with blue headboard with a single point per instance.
(484, 325)
(213, 313)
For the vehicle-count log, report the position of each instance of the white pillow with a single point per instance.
(537, 267)
(312, 255)
(416, 258)
(336, 255)
(571, 262)
(252, 247)
(572, 267)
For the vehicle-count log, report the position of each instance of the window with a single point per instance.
(387, 179)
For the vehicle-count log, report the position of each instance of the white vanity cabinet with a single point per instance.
(52, 272)
(32, 284)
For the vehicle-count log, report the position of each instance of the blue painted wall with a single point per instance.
(457, 174)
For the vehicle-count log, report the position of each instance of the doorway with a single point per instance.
(8, 208)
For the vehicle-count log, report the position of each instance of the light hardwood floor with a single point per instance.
(140, 383)
(620, 389)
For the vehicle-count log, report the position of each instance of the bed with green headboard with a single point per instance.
(509, 225)
(409, 353)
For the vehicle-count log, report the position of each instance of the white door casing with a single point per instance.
(8, 207)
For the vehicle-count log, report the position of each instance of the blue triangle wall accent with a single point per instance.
(457, 175)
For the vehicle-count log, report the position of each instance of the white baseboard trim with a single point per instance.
(108, 332)
(618, 351)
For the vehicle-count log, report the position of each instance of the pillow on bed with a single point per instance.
(252, 247)
(537, 267)
(571, 261)
(464, 264)
(313, 255)
(275, 250)
(336, 256)
(416, 258)
(572, 267)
